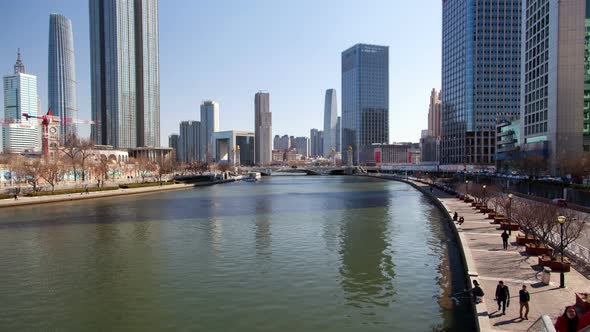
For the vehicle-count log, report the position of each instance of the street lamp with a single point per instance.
(509, 214)
(484, 196)
(466, 189)
(561, 220)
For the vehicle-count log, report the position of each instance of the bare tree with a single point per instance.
(145, 167)
(572, 228)
(50, 170)
(546, 221)
(71, 152)
(31, 171)
(85, 151)
(163, 166)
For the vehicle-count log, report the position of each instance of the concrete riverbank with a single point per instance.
(486, 261)
(23, 201)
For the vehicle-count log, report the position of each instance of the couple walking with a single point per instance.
(503, 299)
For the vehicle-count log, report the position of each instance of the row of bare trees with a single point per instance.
(534, 218)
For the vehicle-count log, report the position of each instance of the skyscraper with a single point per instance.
(125, 72)
(339, 135)
(316, 139)
(330, 122)
(365, 97)
(552, 91)
(173, 140)
(61, 82)
(434, 114)
(209, 125)
(263, 129)
(20, 97)
(480, 76)
(189, 141)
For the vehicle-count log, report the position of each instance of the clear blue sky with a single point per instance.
(228, 50)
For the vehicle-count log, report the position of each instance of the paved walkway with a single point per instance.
(488, 263)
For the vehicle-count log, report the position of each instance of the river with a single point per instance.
(282, 254)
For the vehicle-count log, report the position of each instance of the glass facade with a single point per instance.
(61, 83)
(189, 141)
(209, 125)
(365, 98)
(20, 97)
(587, 80)
(330, 122)
(480, 75)
(125, 72)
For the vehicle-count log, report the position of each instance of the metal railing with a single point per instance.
(543, 324)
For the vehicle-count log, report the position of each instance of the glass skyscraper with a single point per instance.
(480, 76)
(20, 97)
(263, 129)
(365, 98)
(61, 82)
(125, 72)
(330, 122)
(209, 125)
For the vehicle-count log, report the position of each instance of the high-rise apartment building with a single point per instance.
(125, 76)
(365, 97)
(263, 129)
(61, 82)
(316, 142)
(282, 143)
(330, 122)
(209, 125)
(552, 92)
(480, 75)
(301, 144)
(173, 141)
(189, 141)
(20, 97)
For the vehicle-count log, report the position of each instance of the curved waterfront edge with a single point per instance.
(25, 201)
(479, 311)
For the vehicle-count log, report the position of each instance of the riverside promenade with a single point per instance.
(24, 200)
(487, 262)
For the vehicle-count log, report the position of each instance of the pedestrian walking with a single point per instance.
(570, 321)
(477, 292)
(502, 297)
(455, 216)
(505, 238)
(431, 189)
(525, 297)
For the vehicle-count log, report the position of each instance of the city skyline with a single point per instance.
(215, 75)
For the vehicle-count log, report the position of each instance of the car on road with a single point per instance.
(559, 202)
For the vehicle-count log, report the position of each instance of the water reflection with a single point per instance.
(263, 209)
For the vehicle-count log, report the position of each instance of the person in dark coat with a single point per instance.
(502, 296)
(570, 321)
(455, 216)
(477, 292)
(525, 297)
(505, 238)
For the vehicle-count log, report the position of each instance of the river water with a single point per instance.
(283, 254)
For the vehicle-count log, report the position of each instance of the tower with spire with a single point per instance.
(20, 97)
(19, 67)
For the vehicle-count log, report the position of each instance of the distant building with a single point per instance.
(282, 143)
(339, 135)
(173, 141)
(278, 156)
(189, 142)
(430, 138)
(61, 82)
(552, 80)
(301, 144)
(234, 147)
(209, 125)
(434, 114)
(20, 97)
(125, 74)
(365, 97)
(263, 129)
(396, 153)
(330, 122)
(150, 153)
(316, 138)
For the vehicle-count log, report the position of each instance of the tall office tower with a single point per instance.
(284, 143)
(61, 82)
(209, 125)
(339, 135)
(189, 141)
(301, 144)
(330, 122)
(480, 76)
(263, 129)
(365, 97)
(125, 72)
(434, 114)
(316, 139)
(20, 97)
(173, 140)
(552, 102)
(587, 82)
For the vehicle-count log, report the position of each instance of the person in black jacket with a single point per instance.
(502, 296)
(525, 297)
(477, 292)
(505, 238)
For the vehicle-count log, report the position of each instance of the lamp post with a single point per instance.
(484, 196)
(509, 214)
(561, 220)
(466, 189)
